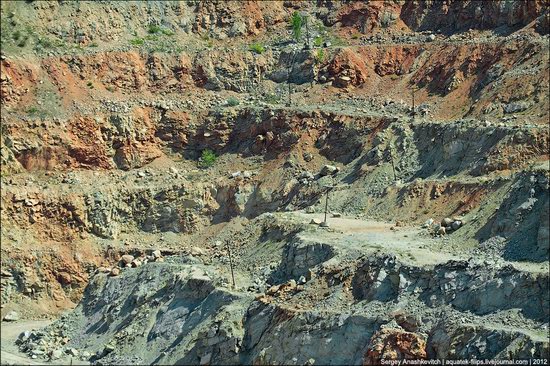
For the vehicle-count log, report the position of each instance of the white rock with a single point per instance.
(12, 316)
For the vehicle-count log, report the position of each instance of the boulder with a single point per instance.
(456, 225)
(12, 316)
(127, 258)
(196, 251)
(328, 170)
(446, 222)
(56, 354)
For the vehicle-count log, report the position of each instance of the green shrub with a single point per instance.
(318, 41)
(110, 88)
(232, 102)
(207, 159)
(32, 110)
(167, 32)
(272, 98)
(257, 48)
(94, 45)
(90, 84)
(296, 23)
(137, 41)
(16, 35)
(154, 29)
(320, 56)
(356, 35)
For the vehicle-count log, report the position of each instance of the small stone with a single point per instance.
(302, 280)
(336, 214)
(157, 254)
(72, 352)
(316, 221)
(115, 272)
(441, 230)
(136, 263)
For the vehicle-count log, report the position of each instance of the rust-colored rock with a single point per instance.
(394, 344)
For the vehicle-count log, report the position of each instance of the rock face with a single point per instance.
(394, 344)
(454, 283)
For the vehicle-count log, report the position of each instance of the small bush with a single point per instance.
(318, 41)
(16, 35)
(257, 48)
(32, 110)
(137, 42)
(110, 88)
(167, 32)
(320, 56)
(356, 35)
(207, 159)
(296, 23)
(94, 45)
(154, 29)
(90, 84)
(232, 102)
(272, 98)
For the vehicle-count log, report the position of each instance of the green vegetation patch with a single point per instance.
(232, 102)
(257, 48)
(208, 158)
